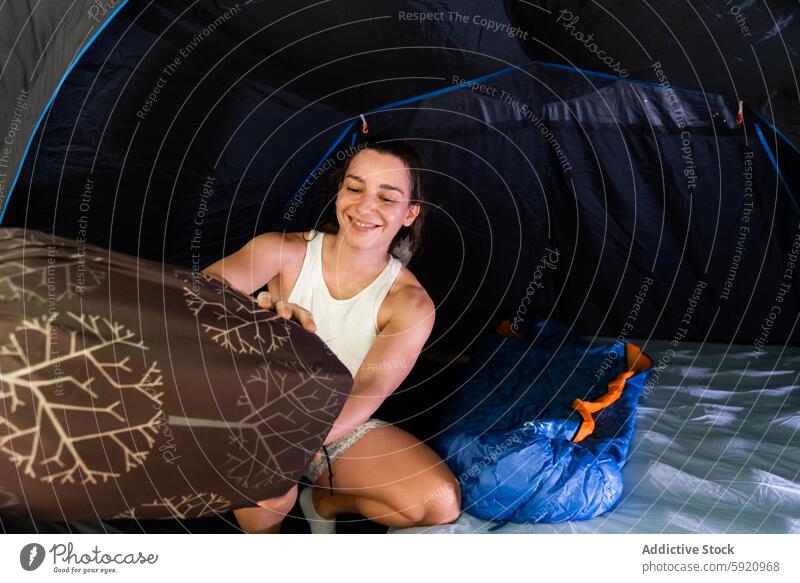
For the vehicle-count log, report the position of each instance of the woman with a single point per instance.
(342, 282)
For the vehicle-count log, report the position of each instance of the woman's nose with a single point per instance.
(366, 204)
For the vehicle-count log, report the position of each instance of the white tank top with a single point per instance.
(348, 327)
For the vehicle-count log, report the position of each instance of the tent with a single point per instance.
(651, 150)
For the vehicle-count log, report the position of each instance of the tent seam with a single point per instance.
(50, 102)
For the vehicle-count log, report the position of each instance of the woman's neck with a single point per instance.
(350, 260)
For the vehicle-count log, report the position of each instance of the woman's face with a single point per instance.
(373, 201)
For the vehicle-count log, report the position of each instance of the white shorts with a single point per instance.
(338, 447)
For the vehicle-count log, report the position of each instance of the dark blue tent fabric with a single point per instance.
(508, 431)
(137, 145)
(638, 187)
(649, 202)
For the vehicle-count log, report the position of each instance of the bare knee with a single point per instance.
(268, 515)
(439, 505)
(281, 504)
(443, 505)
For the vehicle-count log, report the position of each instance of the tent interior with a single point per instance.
(177, 131)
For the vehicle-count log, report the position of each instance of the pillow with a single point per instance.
(135, 389)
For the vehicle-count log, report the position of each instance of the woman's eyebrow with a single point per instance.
(384, 186)
(390, 187)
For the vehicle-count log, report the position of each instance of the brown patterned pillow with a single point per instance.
(130, 388)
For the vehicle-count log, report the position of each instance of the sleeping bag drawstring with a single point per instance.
(330, 469)
(364, 126)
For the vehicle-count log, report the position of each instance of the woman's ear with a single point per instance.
(413, 211)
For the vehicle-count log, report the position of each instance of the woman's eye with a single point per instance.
(351, 189)
(389, 200)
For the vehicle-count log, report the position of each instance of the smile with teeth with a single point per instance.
(362, 224)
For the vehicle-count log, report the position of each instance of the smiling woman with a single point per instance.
(343, 281)
(376, 162)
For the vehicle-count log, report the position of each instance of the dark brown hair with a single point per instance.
(413, 162)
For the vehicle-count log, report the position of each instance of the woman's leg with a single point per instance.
(392, 478)
(266, 518)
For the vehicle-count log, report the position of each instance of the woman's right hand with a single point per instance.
(287, 310)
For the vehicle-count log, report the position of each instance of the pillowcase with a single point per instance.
(135, 389)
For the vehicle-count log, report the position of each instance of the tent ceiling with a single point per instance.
(361, 55)
(749, 49)
(749, 52)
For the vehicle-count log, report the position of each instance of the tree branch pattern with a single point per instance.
(56, 282)
(43, 443)
(258, 462)
(182, 507)
(83, 401)
(7, 499)
(241, 321)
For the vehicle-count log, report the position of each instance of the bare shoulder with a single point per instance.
(409, 301)
(273, 238)
(285, 245)
(259, 261)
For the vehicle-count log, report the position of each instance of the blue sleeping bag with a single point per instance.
(509, 433)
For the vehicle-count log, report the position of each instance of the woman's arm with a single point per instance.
(252, 266)
(389, 361)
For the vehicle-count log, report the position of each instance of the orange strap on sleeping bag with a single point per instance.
(635, 362)
(586, 408)
(506, 328)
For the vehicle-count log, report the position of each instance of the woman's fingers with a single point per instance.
(287, 310)
(304, 317)
(301, 315)
(284, 309)
(264, 300)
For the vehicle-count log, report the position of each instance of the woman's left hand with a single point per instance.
(287, 310)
